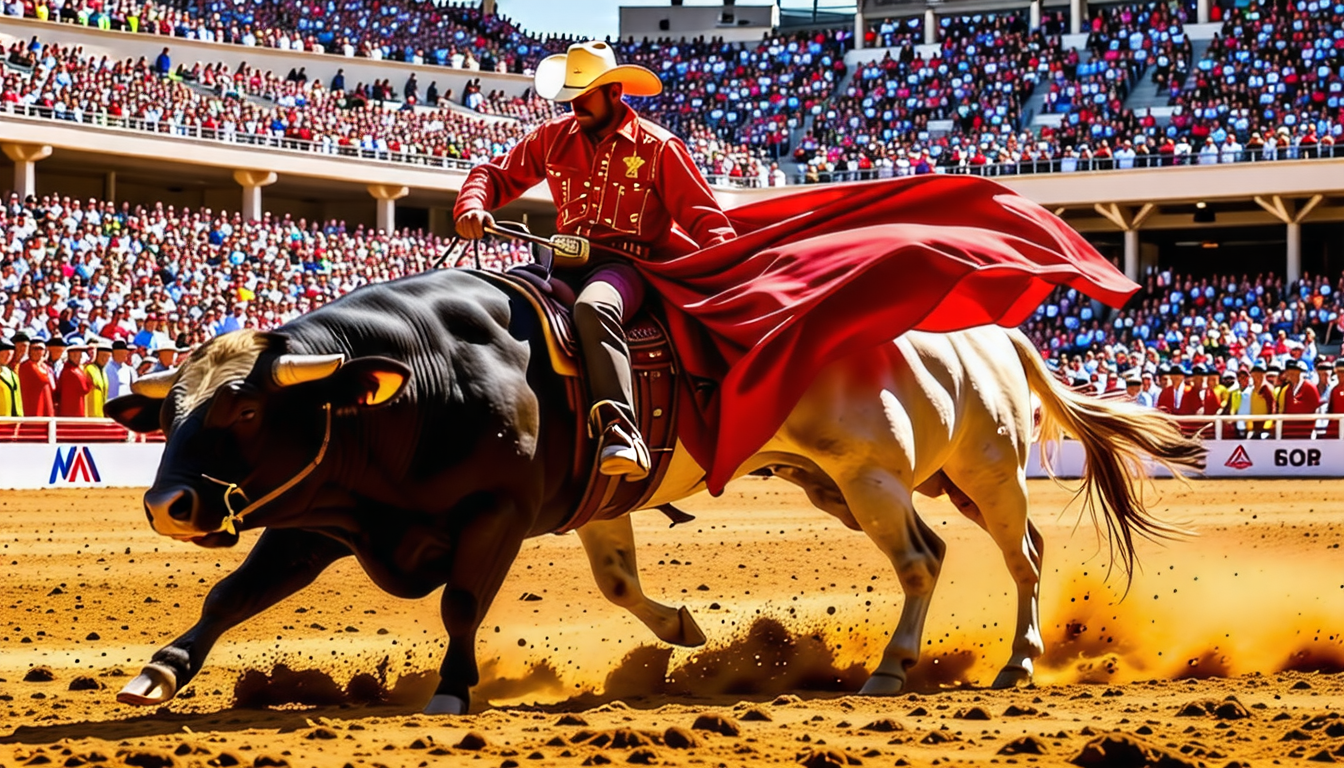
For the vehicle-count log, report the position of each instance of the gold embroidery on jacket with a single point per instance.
(632, 166)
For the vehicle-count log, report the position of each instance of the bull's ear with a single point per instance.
(368, 382)
(135, 412)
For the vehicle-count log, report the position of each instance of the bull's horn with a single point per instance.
(155, 385)
(290, 370)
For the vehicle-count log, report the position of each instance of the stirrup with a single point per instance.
(623, 451)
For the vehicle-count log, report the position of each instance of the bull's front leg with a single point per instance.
(281, 563)
(485, 550)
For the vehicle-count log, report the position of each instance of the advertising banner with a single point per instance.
(92, 465)
(1226, 458)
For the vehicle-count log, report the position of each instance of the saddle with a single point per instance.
(655, 390)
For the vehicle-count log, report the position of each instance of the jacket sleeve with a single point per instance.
(689, 199)
(501, 181)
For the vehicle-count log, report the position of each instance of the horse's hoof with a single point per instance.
(691, 634)
(445, 704)
(1012, 677)
(154, 685)
(882, 684)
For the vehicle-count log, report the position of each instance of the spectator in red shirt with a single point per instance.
(1172, 397)
(36, 382)
(1335, 402)
(1300, 396)
(74, 384)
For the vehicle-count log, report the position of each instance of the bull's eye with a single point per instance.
(248, 414)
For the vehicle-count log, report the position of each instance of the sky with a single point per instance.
(594, 18)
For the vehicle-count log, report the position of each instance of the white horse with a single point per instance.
(931, 413)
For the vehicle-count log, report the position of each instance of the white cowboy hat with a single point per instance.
(589, 65)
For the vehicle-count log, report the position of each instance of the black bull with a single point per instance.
(411, 424)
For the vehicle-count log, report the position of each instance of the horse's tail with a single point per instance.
(1116, 436)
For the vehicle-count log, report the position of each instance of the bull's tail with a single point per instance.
(1116, 437)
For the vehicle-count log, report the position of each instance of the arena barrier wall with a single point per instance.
(1230, 454)
(91, 453)
(78, 465)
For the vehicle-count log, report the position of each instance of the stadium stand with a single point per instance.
(159, 277)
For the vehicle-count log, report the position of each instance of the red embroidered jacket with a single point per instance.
(637, 187)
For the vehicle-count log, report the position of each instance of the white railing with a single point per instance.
(1268, 426)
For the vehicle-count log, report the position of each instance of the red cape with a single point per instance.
(828, 272)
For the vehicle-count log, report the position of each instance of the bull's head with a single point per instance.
(246, 423)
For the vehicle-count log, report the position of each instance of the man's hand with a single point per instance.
(471, 225)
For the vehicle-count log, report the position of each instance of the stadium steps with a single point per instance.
(1033, 112)
(1147, 96)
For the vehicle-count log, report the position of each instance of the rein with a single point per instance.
(230, 521)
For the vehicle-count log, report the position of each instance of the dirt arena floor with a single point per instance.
(1227, 649)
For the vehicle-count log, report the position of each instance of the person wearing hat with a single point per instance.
(1299, 396)
(20, 341)
(1173, 395)
(1132, 387)
(1239, 397)
(73, 384)
(1148, 391)
(120, 372)
(11, 401)
(1324, 378)
(1199, 399)
(165, 357)
(97, 371)
(37, 382)
(56, 347)
(622, 182)
(1262, 399)
(1334, 401)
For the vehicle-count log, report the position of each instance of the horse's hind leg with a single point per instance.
(882, 504)
(610, 545)
(994, 495)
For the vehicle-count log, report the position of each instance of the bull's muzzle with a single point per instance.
(172, 511)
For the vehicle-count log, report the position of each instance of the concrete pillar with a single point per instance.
(1132, 254)
(252, 182)
(1077, 10)
(1291, 213)
(387, 196)
(110, 186)
(860, 27)
(1294, 271)
(25, 157)
(1035, 16)
(930, 27)
(1202, 11)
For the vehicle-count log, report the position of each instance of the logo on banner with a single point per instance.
(77, 464)
(1239, 459)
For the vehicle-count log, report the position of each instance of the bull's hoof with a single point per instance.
(445, 704)
(154, 685)
(882, 684)
(1012, 677)
(691, 634)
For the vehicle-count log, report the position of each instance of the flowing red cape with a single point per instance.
(819, 274)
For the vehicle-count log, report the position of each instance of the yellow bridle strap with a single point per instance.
(229, 523)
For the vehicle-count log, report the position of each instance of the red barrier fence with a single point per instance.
(49, 430)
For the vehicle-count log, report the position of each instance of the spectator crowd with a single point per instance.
(90, 282)
(1189, 345)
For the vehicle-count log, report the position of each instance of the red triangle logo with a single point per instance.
(1239, 459)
